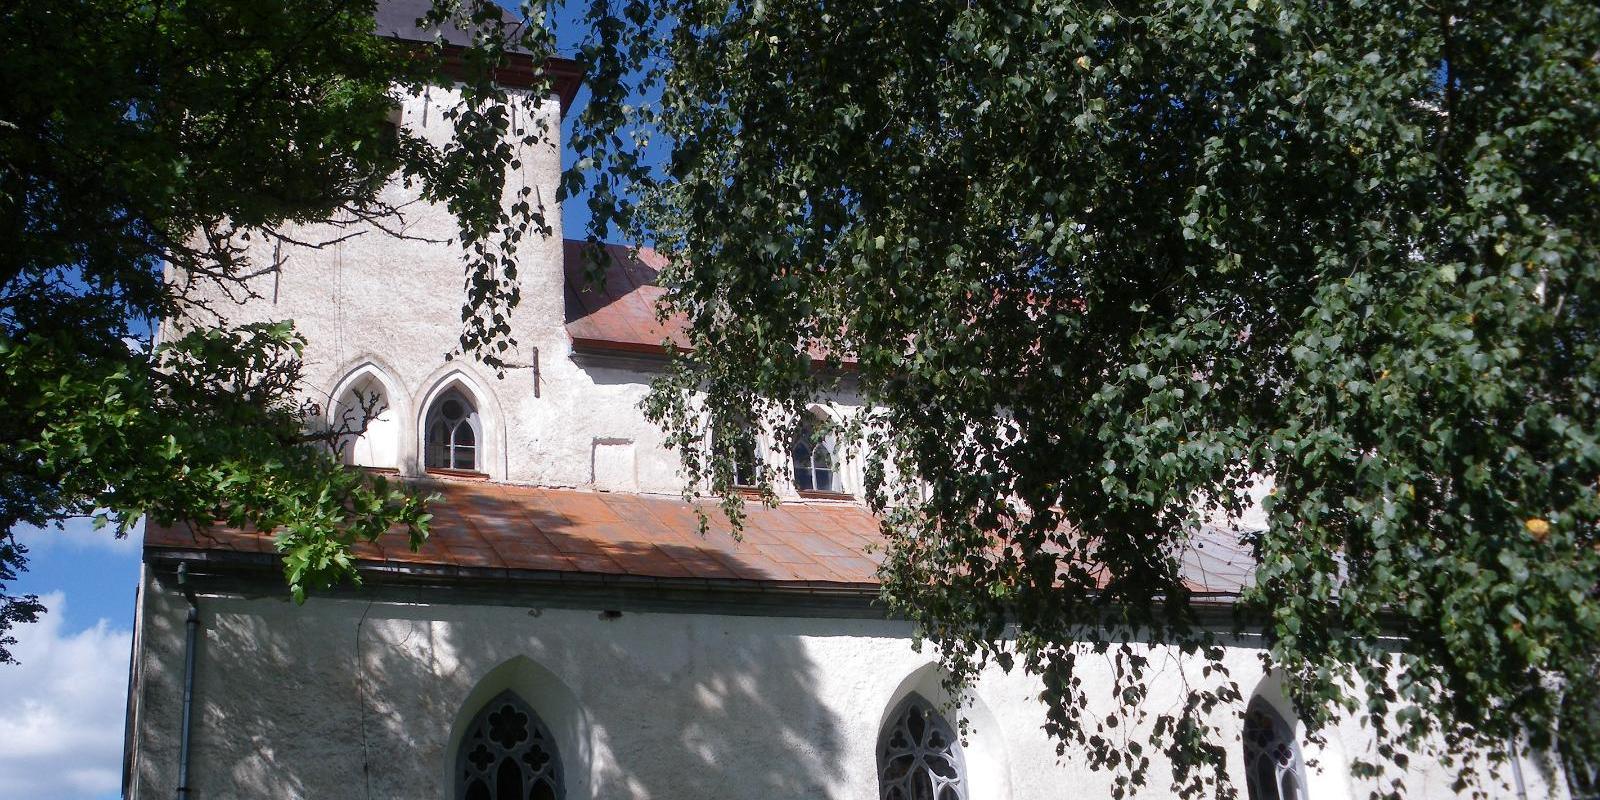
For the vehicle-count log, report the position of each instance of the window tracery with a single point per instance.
(813, 461)
(919, 756)
(453, 433)
(508, 754)
(1273, 766)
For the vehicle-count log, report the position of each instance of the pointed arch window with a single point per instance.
(746, 456)
(919, 757)
(453, 433)
(813, 461)
(1273, 766)
(368, 428)
(508, 754)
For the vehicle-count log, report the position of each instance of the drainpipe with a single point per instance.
(191, 628)
(1516, 769)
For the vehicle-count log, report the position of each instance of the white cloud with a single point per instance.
(78, 534)
(61, 709)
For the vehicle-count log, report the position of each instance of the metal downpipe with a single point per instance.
(1516, 768)
(191, 629)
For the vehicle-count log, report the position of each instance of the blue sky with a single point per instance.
(93, 568)
(61, 711)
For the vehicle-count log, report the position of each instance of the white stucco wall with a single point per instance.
(350, 699)
(376, 308)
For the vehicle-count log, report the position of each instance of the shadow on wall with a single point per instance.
(246, 741)
(349, 697)
(655, 705)
(235, 725)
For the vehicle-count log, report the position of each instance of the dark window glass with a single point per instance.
(1273, 769)
(746, 456)
(452, 428)
(507, 752)
(919, 757)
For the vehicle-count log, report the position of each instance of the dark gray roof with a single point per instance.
(398, 19)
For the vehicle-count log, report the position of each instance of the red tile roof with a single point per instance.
(489, 526)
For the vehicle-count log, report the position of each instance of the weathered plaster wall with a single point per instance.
(378, 308)
(351, 699)
(392, 307)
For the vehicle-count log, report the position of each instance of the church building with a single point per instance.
(567, 631)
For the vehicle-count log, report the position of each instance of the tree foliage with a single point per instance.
(1095, 268)
(146, 151)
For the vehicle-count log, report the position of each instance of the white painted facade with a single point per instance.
(367, 697)
(366, 692)
(379, 312)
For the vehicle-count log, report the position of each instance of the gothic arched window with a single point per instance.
(453, 433)
(508, 754)
(743, 448)
(368, 428)
(1273, 769)
(813, 461)
(919, 757)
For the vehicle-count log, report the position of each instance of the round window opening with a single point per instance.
(452, 409)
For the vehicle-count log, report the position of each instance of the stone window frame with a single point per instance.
(918, 744)
(479, 390)
(1583, 780)
(508, 737)
(748, 465)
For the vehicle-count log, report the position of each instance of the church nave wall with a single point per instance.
(362, 697)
